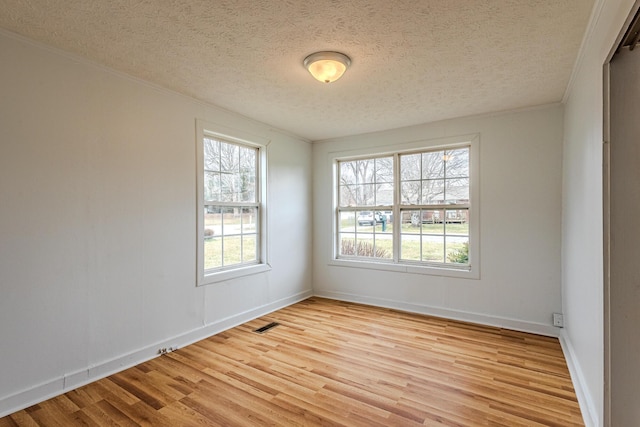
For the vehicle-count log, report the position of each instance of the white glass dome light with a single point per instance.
(327, 67)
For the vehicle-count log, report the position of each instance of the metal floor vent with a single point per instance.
(265, 328)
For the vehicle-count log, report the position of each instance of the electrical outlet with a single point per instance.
(165, 350)
(558, 320)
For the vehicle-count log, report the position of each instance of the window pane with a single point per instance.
(213, 220)
(232, 250)
(433, 191)
(458, 190)
(433, 222)
(249, 218)
(410, 193)
(347, 244)
(411, 221)
(212, 252)
(348, 195)
(458, 250)
(229, 158)
(365, 173)
(248, 160)
(365, 245)
(365, 219)
(211, 154)
(229, 187)
(433, 248)
(384, 169)
(410, 165)
(347, 173)
(248, 174)
(384, 245)
(384, 194)
(347, 222)
(410, 247)
(249, 248)
(433, 165)
(365, 194)
(211, 186)
(458, 222)
(457, 162)
(247, 190)
(231, 222)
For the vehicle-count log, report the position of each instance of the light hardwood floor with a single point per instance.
(333, 363)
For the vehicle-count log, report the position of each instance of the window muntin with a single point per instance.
(429, 193)
(231, 204)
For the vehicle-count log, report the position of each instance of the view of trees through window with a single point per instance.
(405, 207)
(231, 209)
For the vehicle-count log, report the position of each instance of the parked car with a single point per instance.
(369, 218)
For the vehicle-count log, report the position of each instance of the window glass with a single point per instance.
(231, 208)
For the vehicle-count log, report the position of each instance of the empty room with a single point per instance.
(356, 213)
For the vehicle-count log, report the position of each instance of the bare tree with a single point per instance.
(230, 172)
(434, 177)
(366, 182)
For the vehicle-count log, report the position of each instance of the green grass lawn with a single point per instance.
(237, 249)
(452, 228)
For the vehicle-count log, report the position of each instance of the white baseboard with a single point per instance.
(67, 382)
(587, 406)
(483, 319)
(60, 385)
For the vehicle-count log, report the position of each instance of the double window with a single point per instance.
(230, 205)
(408, 208)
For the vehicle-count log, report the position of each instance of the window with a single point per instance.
(434, 207)
(366, 197)
(409, 208)
(230, 196)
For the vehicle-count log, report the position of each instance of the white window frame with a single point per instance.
(207, 129)
(472, 271)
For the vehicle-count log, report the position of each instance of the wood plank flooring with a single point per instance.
(333, 363)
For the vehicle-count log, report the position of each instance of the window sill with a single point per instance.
(406, 268)
(223, 276)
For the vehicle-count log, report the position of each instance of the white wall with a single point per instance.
(582, 249)
(98, 223)
(520, 201)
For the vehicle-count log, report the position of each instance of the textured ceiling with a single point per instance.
(413, 61)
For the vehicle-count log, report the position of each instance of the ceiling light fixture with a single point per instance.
(327, 67)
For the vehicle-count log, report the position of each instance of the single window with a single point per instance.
(408, 208)
(231, 207)
(230, 204)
